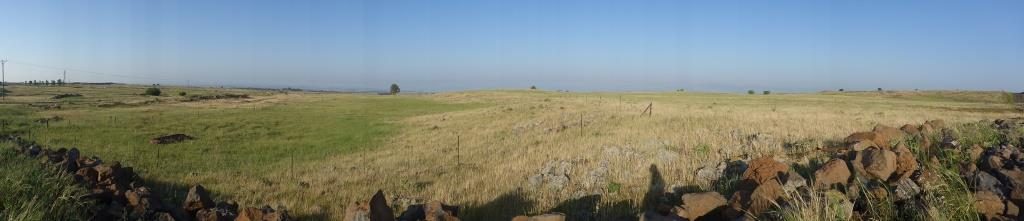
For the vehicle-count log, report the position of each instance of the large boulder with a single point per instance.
(698, 205)
(764, 170)
(874, 163)
(991, 207)
(831, 173)
(753, 203)
(1014, 181)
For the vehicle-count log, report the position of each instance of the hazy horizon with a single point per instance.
(786, 46)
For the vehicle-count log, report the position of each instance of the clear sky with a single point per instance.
(576, 45)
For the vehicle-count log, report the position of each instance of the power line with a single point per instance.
(92, 72)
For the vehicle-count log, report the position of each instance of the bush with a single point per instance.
(152, 91)
(750, 92)
(766, 92)
(182, 93)
(533, 87)
(841, 90)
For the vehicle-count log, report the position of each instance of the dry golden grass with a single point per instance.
(500, 146)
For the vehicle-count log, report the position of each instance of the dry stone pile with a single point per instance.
(120, 194)
(377, 209)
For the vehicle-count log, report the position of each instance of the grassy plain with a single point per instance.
(318, 152)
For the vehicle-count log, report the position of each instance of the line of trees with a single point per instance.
(57, 82)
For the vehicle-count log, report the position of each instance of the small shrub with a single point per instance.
(614, 187)
(879, 89)
(182, 93)
(533, 87)
(152, 91)
(750, 92)
(841, 90)
(766, 92)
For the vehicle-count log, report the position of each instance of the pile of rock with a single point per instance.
(377, 209)
(120, 194)
(62, 96)
(169, 139)
(874, 165)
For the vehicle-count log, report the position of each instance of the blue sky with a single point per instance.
(575, 45)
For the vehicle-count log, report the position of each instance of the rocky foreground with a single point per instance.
(120, 194)
(883, 174)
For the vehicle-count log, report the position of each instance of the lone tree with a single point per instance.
(879, 89)
(766, 92)
(533, 87)
(395, 89)
(750, 91)
(841, 90)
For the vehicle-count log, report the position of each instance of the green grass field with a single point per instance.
(31, 192)
(318, 152)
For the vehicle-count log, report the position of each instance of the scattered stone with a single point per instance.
(711, 173)
(906, 163)
(197, 199)
(831, 173)
(989, 205)
(983, 181)
(905, 189)
(698, 205)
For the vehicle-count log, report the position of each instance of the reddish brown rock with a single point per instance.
(927, 129)
(911, 129)
(435, 211)
(1015, 180)
(250, 214)
(906, 163)
(989, 205)
(765, 169)
(885, 135)
(697, 205)
(764, 197)
(831, 173)
(976, 152)
(875, 163)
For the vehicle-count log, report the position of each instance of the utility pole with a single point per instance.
(3, 79)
